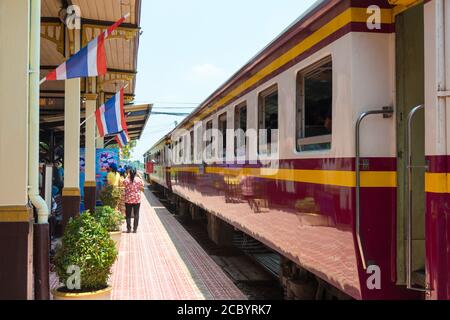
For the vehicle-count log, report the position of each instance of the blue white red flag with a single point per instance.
(110, 117)
(122, 138)
(90, 61)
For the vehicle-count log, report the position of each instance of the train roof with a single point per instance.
(162, 140)
(283, 37)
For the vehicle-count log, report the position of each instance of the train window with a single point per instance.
(181, 148)
(209, 139)
(240, 125)
(314, 107)
(223, 131)
(268, 118)
(175, 151)
(198, 144)
(192, 142)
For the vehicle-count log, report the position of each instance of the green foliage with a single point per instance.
(110, 196)
(109, 218)
(126, 151)
(88, 246)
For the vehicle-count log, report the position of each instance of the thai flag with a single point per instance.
(90, 61)
(122, 138)
(110, 117)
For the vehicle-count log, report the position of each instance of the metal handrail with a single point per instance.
(387, 112)
(409, 210)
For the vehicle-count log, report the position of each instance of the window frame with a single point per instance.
(209, 139)
(191, 136)
(237, 125)
(262, 115)
(223, 151)
(300, 115)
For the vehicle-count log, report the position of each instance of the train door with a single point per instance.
(410, 148)
(168, 165)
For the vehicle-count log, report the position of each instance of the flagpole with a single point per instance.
(126, 16)
(87, 119)
(110, 140)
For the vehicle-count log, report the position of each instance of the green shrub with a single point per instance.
(110, 196)
(109, 218)
(88, 246)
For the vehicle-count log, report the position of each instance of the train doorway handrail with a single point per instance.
(387, 112)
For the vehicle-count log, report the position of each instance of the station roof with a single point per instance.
(121, 53)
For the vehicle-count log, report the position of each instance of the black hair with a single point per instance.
(133, 173)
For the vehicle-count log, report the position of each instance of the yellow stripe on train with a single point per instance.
(434, 182)
(369, 179)
(437, 182)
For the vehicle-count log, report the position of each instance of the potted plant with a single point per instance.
(110, 196)
(84, 260)
(111, 220)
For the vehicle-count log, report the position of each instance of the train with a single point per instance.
(331, 148)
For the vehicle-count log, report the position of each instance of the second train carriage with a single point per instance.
(357, 91)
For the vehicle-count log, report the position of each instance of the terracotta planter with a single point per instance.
(96, 295)
(116, 238)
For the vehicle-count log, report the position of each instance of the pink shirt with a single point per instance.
(133, 190)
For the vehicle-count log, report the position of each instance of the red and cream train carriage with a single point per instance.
(358, 91)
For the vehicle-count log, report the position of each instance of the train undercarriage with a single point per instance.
(297, 282)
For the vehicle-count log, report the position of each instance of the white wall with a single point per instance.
(14, 38)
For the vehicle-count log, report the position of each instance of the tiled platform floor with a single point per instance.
(163, 262)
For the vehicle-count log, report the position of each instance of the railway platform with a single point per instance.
(163, 262)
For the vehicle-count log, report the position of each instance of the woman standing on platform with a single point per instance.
(133, 195)
(122, 191)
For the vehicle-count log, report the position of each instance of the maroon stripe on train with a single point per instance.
(366, 3)
(438, 164)
(437, 233)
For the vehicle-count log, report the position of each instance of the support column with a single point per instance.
(16, 218)
(71, 192)
(101, 141)
(90, 181)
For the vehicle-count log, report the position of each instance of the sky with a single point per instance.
(190, 47)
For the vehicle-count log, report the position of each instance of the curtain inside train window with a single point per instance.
(314, 107)
(268, 121)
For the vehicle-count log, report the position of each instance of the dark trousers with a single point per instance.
(135, 209)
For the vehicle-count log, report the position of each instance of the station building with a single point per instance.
(40, 124)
